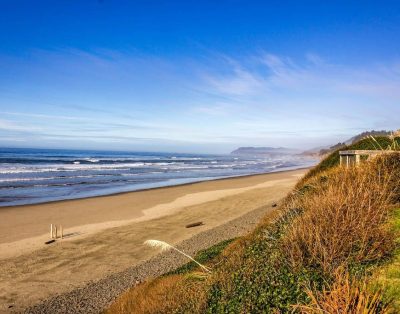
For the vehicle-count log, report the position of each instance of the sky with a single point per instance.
(196, 76)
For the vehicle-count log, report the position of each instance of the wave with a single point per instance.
(31, 178)
(94, 166)
(88, 160)
(56, 178)
(77, 166)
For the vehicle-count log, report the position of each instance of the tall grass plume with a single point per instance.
(166, 246)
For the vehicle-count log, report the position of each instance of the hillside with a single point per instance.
(323, 151)
(300, 258)
(332, 159)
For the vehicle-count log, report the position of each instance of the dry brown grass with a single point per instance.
(174, 293)
(171, 294)
(344, 218)
(344, 296)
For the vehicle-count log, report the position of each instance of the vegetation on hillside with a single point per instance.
(332, 160)
(320, 252)
(356, 139)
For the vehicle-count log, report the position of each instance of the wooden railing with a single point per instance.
(353, 157)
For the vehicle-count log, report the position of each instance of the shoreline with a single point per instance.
(153, 188)
(23, 245)
(113, 229)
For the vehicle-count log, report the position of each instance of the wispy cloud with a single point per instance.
(273, 74)
(232, 77)
(73, 95)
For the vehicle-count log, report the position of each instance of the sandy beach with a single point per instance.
(104, 235)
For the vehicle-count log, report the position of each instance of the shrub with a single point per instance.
(344, 220)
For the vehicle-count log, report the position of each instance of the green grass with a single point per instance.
(202, 257)
(388, 277)
(259, 282)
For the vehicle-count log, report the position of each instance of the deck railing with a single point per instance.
(353, 157)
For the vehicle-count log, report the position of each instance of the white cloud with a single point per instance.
(284, 77)
(238, 82)
(109, 96)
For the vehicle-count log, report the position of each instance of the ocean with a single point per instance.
(30, 176)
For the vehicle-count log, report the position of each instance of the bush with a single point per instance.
(344, 219)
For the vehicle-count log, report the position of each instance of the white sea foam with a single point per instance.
(76, 166)
(26, 170)
(94, 166)
(92, 160)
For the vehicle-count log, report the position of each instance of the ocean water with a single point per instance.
(29, 176)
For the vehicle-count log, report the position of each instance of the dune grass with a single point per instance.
(167, 294)
(344, 220)
(315, 254)
(345, 295)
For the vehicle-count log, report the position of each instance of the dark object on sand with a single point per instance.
(50, 241)
(195, 224)
(274, 204)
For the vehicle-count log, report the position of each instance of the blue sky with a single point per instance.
(196, 76)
